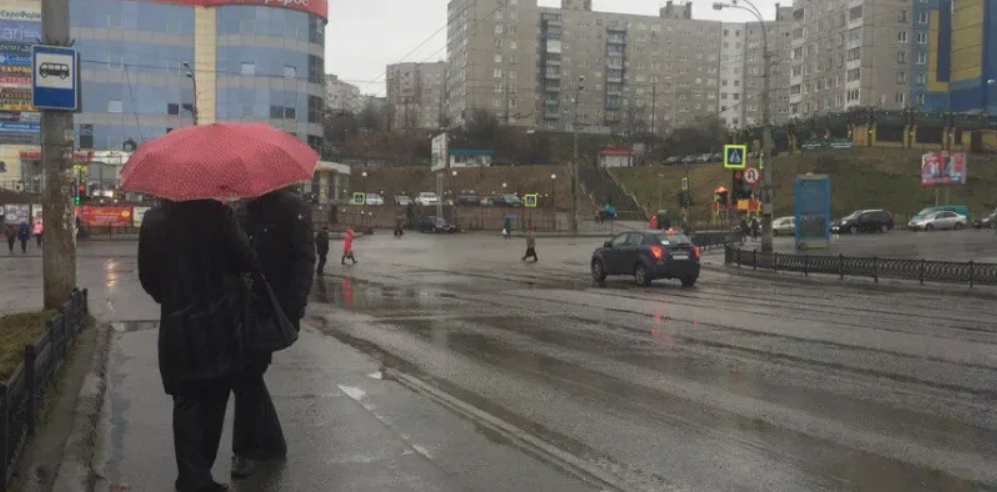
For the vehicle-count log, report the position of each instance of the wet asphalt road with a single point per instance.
(737, 384)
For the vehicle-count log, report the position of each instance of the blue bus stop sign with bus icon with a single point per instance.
(54, 78)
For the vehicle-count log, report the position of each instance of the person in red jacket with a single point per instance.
(348, 247)
(654, 222)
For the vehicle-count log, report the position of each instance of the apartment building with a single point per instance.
(742, 69)
(342, 96)
(641, 72)
(847, 53)
(415, 94)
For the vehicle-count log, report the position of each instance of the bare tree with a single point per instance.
(481, 128)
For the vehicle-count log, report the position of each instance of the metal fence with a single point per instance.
(713, 239)
(951, 272)
(23, 395)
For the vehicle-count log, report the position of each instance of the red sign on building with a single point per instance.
(105, 216)
(317, 7)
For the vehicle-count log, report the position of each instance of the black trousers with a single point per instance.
(10, 243)
(531, 253)
(256, 433)
(198, 418)
(24, 245)
(321, 261)
(347, 254)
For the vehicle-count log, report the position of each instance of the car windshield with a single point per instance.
(927, 211)
(852, 216)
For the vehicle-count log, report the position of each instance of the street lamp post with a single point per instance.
(453, 185)
(553, 200)
(573, 218)
(363, 185)
(766, 120)
(193, 80)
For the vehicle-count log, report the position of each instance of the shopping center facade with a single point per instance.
(150, 66)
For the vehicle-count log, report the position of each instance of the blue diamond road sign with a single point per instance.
(735, 156)
(54, 78)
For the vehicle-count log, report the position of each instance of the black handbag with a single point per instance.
(266, 327)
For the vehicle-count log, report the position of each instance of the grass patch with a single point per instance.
(16, 331)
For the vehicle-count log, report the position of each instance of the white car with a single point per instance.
(374, 199)
(427, 198)
(784, 226)
(939, 220)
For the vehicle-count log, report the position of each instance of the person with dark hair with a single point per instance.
(191, 259)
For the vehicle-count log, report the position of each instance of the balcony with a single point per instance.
(614, 64)
(552, 74)
(616, 39)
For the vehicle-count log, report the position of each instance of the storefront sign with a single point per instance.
(20, 32)
(15, 70)
(317, 7)
(19, 127)
(107, 216)
(20, 15)
(36, 155)
(13, 82)
(15, 48)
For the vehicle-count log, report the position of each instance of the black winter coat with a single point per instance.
(191, 258)
(280, 224)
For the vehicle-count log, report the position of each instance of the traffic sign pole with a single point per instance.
(58, 211)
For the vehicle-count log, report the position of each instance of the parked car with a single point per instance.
(871, 220)
(468, 197)
(506, 201)
(435, 225)
(426, 198)
(989, 222)
(943, 220)
(647, 255)
(374, 199)
(784, 226)
(402, 200)
(959, 209)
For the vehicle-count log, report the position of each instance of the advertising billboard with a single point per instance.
(15, 213)
(440, 152)
(106, 216)
(812, 211)
(20, 27)
(943, 169)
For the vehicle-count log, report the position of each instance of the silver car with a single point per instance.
(784, 226)
(939, 220)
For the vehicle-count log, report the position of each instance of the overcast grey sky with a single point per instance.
(365, 35)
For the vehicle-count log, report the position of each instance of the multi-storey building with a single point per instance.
(742, 69)
(149, 66)
(961, 40)
(641, 73)
(851, 53)
(415, 94)
(342, 96)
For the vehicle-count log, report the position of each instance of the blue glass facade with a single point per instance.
(135, 84)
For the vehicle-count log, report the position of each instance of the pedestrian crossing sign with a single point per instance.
(359, 198)
(735, 156)
(530, 200)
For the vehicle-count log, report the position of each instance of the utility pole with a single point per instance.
(654, 113)
(193, 79)
(573, 218)
(58, 211)
(766, 142)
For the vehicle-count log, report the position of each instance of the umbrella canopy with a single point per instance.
(217, 161)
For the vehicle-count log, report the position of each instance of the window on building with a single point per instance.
(497, 73)
(276, 112)
(922, 38)
(902, 36)
(921, 79)
(904, 16)
(172, 108)
(498, 58)
(901, 77)
(922, 18)
(248, 68)
(290, 113)
(901, 57)
(900, 97)
(290, 71)
(115, 106)
(922, 58)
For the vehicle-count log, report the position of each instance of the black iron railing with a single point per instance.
(953, 272)
(23, 395)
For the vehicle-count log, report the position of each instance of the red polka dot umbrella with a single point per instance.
(220, 160)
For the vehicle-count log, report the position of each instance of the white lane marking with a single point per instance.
(352, 392)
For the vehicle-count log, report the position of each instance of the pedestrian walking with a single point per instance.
(23, 235)
(531, 246)
(191, 257)
(280, 226)
(10, 231)
(348, 247)
(399, 226)
(507, 228)
(37, 231)
(322, 248)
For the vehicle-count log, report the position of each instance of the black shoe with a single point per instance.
(244, 467)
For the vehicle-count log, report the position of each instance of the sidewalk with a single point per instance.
(347, 429)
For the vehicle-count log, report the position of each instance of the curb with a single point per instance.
(517, 436)
(76, 472)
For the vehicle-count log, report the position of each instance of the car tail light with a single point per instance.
(696, 252)
(657, 252)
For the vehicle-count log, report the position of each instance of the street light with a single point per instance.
(453, 185)
(573, 218)
(193, 80)
(553, 199)
(766, 120)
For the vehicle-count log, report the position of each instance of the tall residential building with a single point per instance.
(415, 94)
(342, 96)
(742, 69)
(147, 66)
(961, 40)
(851, 53)
(641, 72)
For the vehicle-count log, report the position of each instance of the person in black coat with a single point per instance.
(191, 259)
(280, 225)
(322, 249)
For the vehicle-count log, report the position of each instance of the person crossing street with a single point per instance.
(322, 248)
(531, 246)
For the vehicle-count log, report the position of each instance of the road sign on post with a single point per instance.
(752, 176)
(359, 198)
(530, 201)
(735, 156)
(54, 78)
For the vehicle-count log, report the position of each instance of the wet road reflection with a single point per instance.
(735, 385)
